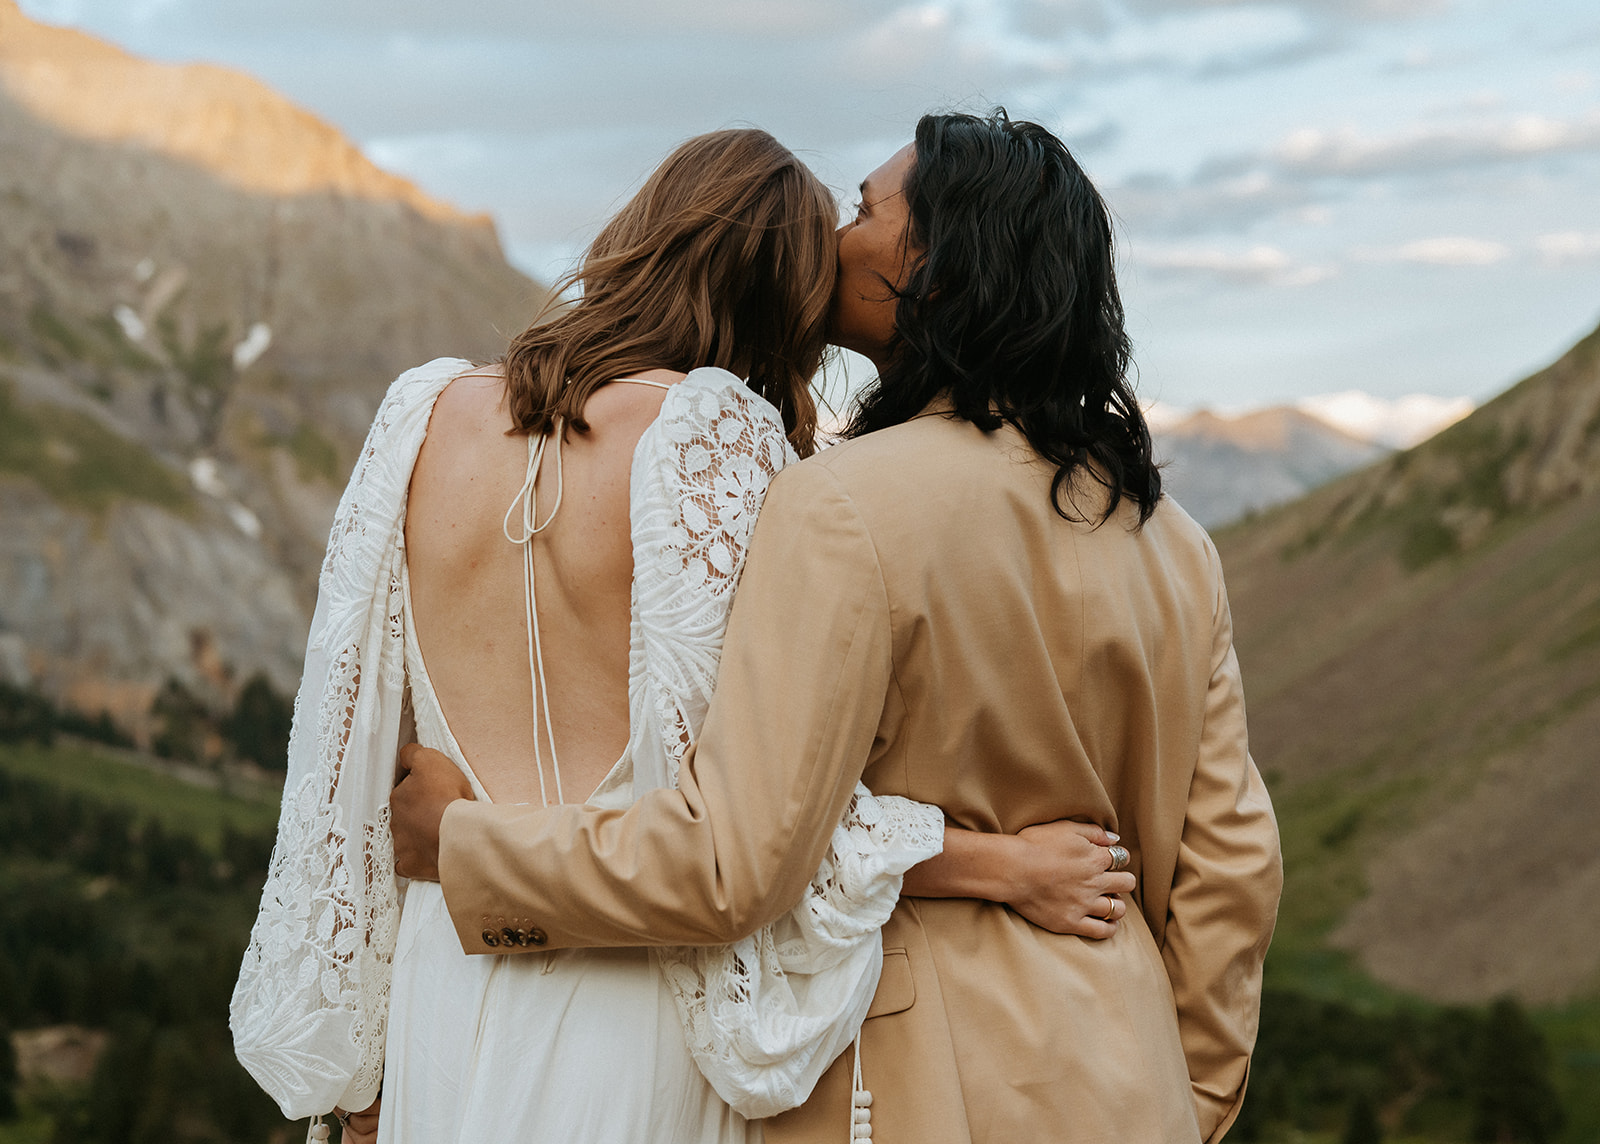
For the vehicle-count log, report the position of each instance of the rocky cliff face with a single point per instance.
(219, 120)
(203, 293)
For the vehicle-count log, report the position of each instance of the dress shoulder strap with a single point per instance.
(642, 381)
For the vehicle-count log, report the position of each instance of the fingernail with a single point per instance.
(1114, 837)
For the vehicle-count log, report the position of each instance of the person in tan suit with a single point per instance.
(981, 600)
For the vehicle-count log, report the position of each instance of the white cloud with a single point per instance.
(495, 19)
(1023, 46)
(1156, 204)
(1315, 151)
(1453, 250)
(1308, 275)
(1398, 422)
(1478, 102)
(1569, 246)
(1415, 59)
(1309, 164)
(906, 41)
(1259, 264)
(1322, 9)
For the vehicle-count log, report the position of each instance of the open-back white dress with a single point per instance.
(341, 990)
(573, 1045)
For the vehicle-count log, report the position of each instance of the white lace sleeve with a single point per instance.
(309, 1010)
(766, 1016)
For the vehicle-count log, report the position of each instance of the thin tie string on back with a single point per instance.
(528, 497)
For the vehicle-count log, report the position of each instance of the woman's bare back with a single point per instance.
(467, 582)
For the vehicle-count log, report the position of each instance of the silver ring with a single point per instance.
(1120, 858)
(342, 1117)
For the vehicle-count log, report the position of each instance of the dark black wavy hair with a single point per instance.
(1012, 308)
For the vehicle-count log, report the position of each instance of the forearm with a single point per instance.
(973, 865)
(579, 876)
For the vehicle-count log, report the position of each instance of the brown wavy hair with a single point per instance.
(725, 257)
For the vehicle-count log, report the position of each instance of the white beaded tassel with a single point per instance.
(318, 1131)
(860, 1103)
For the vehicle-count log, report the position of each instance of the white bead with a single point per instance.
(863, 1098)
(861, 1132)
(320, 1132)
(863, 1116)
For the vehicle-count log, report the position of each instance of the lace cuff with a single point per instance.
(766, 1016)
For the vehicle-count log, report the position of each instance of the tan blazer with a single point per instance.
(914, 613)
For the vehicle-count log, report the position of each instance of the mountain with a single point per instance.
(204, 291)
(1220, 468)
(1397, 422)
(1420, 643)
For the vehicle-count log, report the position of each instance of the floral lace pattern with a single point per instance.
(700, 474)
(309, 1008)
(765, 1016)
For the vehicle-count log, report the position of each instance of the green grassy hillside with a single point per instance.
(126, 898)
(79, 462)
(1421, 650)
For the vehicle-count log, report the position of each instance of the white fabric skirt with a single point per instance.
(572, 1046)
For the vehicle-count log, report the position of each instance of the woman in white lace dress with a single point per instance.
(542, 554)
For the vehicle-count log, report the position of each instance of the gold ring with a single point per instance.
(1111, 909)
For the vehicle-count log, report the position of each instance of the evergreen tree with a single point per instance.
(12, 1003)
(48, 991)
(182, 723)
(259, 725)
(1361, 1125)
(25, 716)
(99, 728)
(8, 1075)
(1514, 1101)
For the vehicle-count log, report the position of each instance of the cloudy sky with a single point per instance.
(1396, 196)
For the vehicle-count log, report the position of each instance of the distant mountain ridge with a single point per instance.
(204, 292)
(1420, 643)
(1220, 468)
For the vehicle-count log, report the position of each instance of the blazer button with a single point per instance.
(537, 936)
(489, 937)
(510, 936)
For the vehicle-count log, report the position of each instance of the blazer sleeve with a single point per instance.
(805, 669)
(1225, 892)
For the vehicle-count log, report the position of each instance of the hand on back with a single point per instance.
(416, 807)
(1065, 879)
